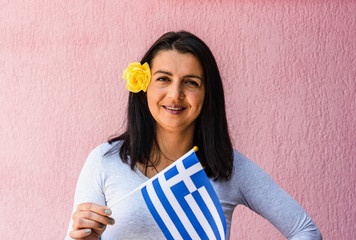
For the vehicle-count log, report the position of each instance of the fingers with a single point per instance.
(86, 219)
(79, 234)
(90, 218)
(101, 210)
(93, 212)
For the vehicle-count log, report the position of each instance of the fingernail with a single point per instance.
(107, 211)
(101, 225)
(111, 221)
(88, 230)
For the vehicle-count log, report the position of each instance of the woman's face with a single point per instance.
(176, 92)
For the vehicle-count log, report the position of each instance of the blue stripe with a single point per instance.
(155, 214)
(171, 173)
(170, 211)
(201, 180)
(190, 160)
(180, 190)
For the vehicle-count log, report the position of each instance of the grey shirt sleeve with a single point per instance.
(259, 192)
(89, 186)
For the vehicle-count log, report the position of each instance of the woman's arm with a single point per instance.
(90, 215)
(260, 193)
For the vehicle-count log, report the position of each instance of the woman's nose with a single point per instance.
(175, 91)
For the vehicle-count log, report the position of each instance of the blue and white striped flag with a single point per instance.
(183, 202)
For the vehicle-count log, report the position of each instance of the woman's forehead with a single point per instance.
(173, 60)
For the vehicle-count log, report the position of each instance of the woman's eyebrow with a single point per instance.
(193, 76)
(164, 72)
(170, 74)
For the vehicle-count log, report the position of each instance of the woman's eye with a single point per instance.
(163, 79)
(192, 83)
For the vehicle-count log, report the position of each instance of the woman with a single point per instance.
(183, 106)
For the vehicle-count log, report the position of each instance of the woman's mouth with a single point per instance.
(174, 109)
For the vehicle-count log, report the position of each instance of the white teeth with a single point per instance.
(175, 109)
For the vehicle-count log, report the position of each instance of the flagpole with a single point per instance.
(194, 149)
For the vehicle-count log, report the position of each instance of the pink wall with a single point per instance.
(288, 70)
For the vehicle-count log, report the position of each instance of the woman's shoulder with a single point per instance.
(101, 148)
(241, 161)
(104, 149)
(244, 168)
(103, 153)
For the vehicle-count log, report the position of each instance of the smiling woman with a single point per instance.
(183, 106)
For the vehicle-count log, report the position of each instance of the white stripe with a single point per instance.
(178, 209)
(162, 212)
(200, 216)
(209, 203)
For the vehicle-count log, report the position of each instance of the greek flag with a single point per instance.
(183, 202)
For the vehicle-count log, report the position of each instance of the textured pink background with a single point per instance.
(289, 73)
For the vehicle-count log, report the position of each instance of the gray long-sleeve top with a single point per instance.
(103, 180)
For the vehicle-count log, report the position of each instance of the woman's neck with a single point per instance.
(174, 144)
(171, 145)
(167, 148)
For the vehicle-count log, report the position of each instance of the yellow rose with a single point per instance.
(137, 77)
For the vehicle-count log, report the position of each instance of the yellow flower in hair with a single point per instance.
(137, 77)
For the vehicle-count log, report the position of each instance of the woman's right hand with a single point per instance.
(90, 220)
